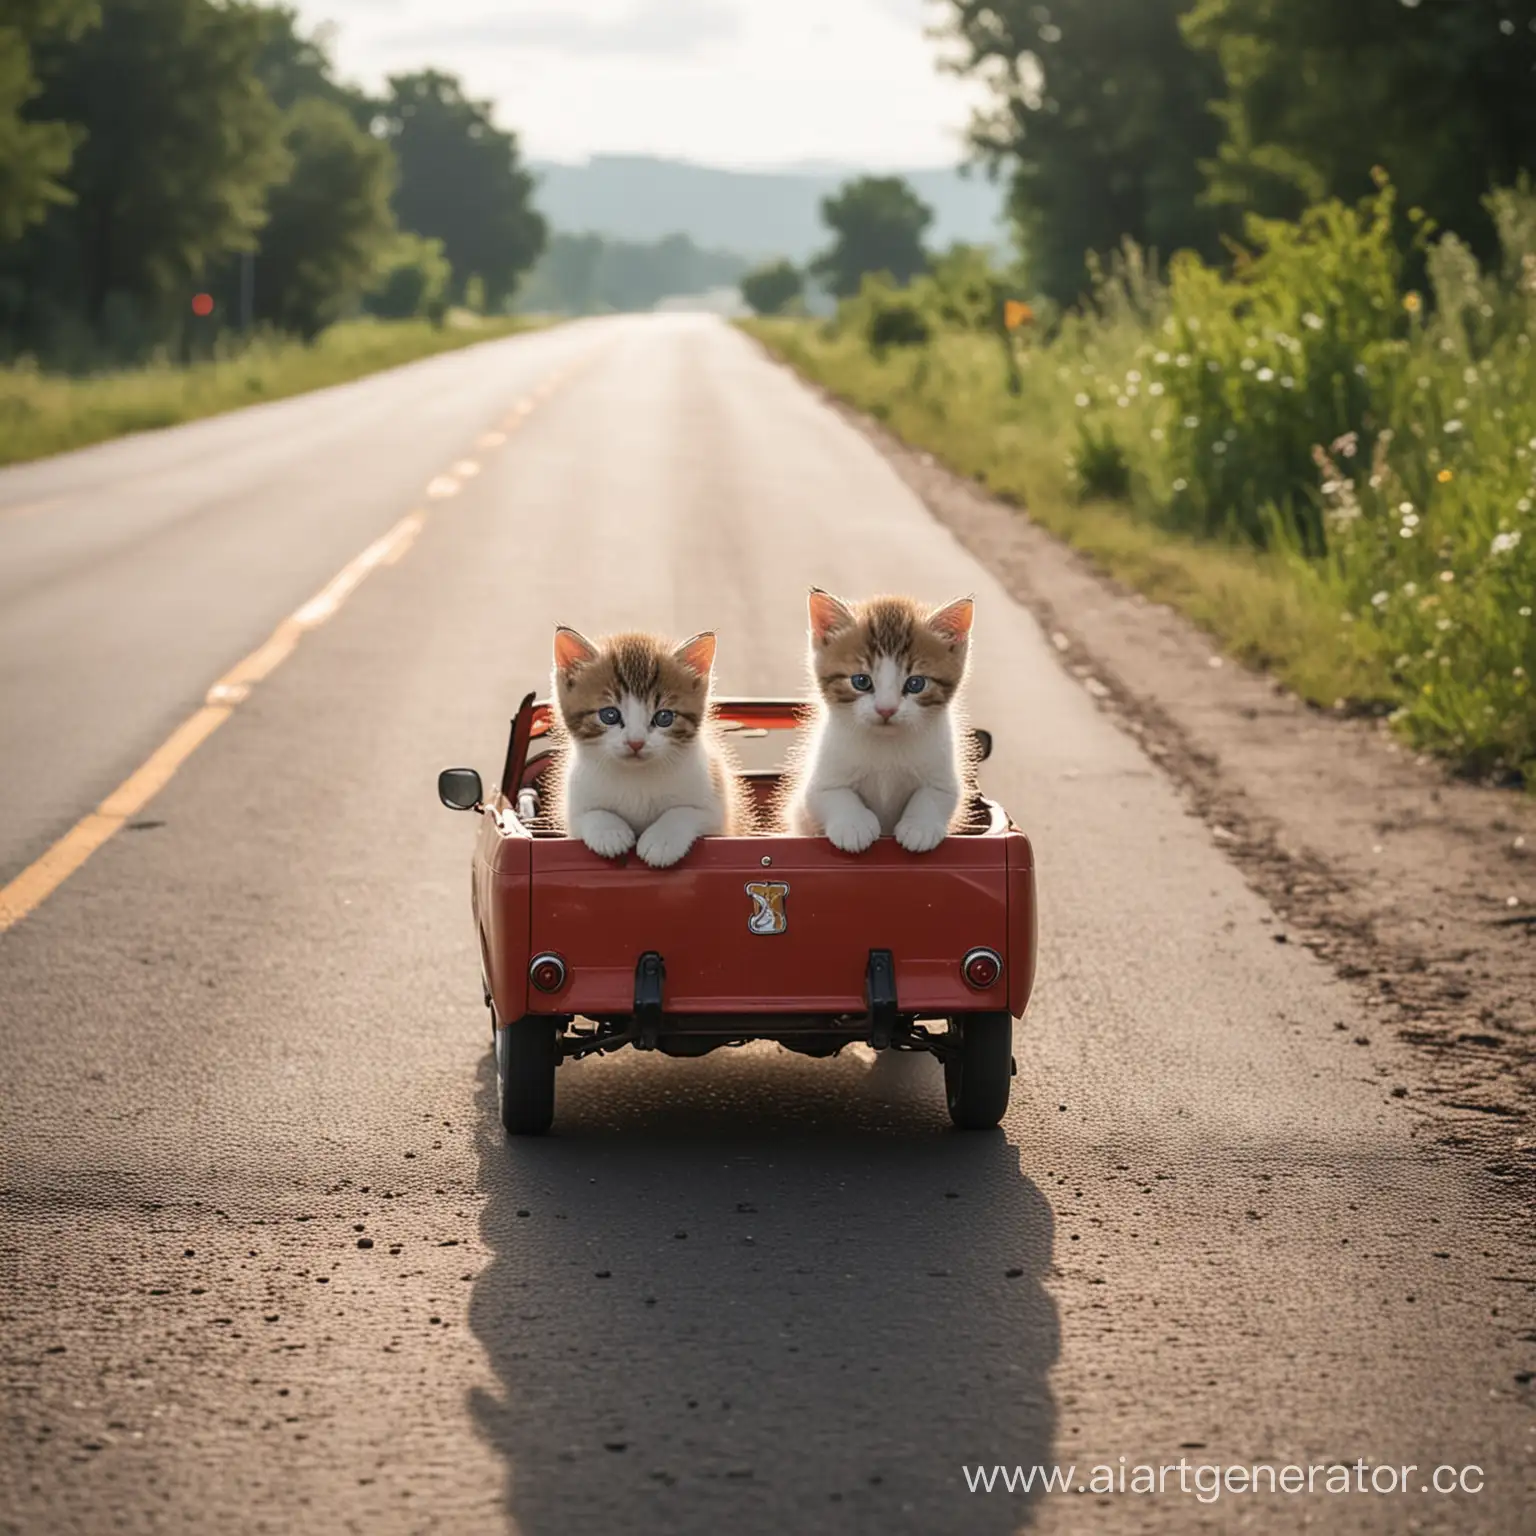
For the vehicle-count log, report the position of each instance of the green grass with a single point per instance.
(1332, 474)
(951, 399)
(42, 414)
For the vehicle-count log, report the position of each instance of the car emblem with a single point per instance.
(768, 913)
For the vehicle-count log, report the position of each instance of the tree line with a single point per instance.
(1170, 121)
(151, 150)
(591, 274)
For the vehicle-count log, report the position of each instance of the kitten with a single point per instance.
(884, 754)
(642, 767)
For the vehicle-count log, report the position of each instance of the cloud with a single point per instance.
(649, 28)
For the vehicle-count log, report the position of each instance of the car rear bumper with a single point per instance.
(757, 932)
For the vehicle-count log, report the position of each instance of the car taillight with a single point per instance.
(981, 968)
(547, 972)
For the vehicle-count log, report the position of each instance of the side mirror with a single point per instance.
(983, 740)
(460, 789)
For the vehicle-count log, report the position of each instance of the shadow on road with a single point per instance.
(759, 1293)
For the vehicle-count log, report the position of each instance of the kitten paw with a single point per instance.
(920, 834)
(661, 847)
(854, 831)
(608, 837)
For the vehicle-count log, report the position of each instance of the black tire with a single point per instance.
(527, 1052)
(978, 1073)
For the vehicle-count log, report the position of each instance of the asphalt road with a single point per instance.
(752, 1292)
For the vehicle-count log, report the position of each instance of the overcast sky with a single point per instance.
(727, 82)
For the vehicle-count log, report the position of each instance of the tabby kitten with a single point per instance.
(884, 753)
(642, 767)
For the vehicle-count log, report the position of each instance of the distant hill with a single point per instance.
(756, 213)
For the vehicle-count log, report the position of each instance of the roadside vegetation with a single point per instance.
(49, 413)
(1314, 430)
(168, 270)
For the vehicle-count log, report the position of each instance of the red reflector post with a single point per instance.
(981, 968)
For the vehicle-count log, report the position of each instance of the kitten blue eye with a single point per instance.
(611, 716)
(862, 682)
(915, 685)
(663, 718)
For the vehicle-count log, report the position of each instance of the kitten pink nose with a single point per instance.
(634, 746)
(885, 711)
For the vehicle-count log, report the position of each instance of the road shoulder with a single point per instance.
(1418, 888)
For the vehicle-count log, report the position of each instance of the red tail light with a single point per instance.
(547, 972)
(981, 968)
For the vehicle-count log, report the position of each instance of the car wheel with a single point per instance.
(978, 1071)
(527, 1052)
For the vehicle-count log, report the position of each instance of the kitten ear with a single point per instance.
(953, 621)
(698, 654)
(572, 650)
(828, 615)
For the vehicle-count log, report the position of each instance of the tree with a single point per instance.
(293, 67)
(462, 182)
(180, 146)
(328, 222)
(34, 153)
(878, 222)
(1319, 93)
(771, 289)
(410, 280)
(1102, 117)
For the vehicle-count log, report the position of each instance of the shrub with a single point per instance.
(411, 281)
(772, 289)
(1254, 370)
(1100, 469)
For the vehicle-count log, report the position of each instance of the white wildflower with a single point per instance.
(1266, 375)
(1379, 600)
(1503, 543)
(1452, 426)
(1312, 322)
(1082, 401)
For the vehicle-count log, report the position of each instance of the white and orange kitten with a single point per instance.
(642, 766)
(884, 754)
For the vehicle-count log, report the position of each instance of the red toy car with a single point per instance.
(748, 938)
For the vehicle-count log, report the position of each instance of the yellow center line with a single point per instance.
(40, 879)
